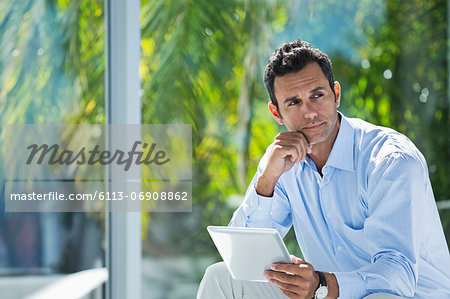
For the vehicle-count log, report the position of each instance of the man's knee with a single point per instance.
(216, 283)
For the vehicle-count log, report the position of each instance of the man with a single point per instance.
(358, 196)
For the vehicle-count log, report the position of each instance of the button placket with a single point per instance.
(328, 220)
(318, 179)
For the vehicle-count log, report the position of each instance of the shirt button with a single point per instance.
(251, 204)
(259, 208)
(318, 181)
(339, 248)
(328, 214)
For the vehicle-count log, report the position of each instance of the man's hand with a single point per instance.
(298, 280)
(287, 149)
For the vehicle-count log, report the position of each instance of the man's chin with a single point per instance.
(315, 139)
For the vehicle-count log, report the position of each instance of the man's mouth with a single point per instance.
(313, 127)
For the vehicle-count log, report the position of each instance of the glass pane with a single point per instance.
(202, 64)
(51, 72)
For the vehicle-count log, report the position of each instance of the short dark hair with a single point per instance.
(292, 57)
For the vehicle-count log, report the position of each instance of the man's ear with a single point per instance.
(275, 113)
(337, 92)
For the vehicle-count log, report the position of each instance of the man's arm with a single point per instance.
(287, 149)
(396, 201)
(261, 211)
(265, 203)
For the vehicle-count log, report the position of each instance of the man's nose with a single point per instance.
(310, 112)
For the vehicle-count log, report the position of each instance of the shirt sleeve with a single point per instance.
(261, 211)
(396, 196)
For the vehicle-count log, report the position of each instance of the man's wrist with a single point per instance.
(265, 186)
(321, 291)
(333, 286)
(318, 281)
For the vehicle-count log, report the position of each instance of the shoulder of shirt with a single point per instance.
(376, 144)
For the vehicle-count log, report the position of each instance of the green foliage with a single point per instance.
(197, 57)
(51, 71)
(412, 45)
(202, 64)
(389, 56)
(52, 62)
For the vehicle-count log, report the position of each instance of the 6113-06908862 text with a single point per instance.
(115, 195)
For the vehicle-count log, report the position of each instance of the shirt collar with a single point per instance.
(341, 155)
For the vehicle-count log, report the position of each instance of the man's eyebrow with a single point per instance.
(296, 97)
(317, 89)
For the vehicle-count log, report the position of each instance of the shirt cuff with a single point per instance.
(351, 285)
(256, 203)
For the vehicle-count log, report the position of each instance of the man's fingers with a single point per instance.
(287, 149)
(298, 139)
(296, 260)
(285, 286)
(296, 287)
(300, 145)
(308, 145)
(303, 134)
(303, 268)
(304, 148)
(285, 278)
(298, 278)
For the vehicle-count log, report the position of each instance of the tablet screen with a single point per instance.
(248, 252)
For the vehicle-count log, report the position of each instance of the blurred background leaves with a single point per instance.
(205, 65)
(202, 63)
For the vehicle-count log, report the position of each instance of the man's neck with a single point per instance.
(321, 151)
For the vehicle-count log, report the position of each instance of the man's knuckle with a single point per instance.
(276, 142)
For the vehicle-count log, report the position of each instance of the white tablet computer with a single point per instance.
(247, 252)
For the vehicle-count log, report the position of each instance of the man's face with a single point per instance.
(306, 103)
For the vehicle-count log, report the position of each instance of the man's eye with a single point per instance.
(317, 95)
(293, 103)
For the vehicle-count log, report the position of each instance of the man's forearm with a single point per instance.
(265, 185)
(253, 212)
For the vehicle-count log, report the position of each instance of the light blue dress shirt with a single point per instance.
(371, 219)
